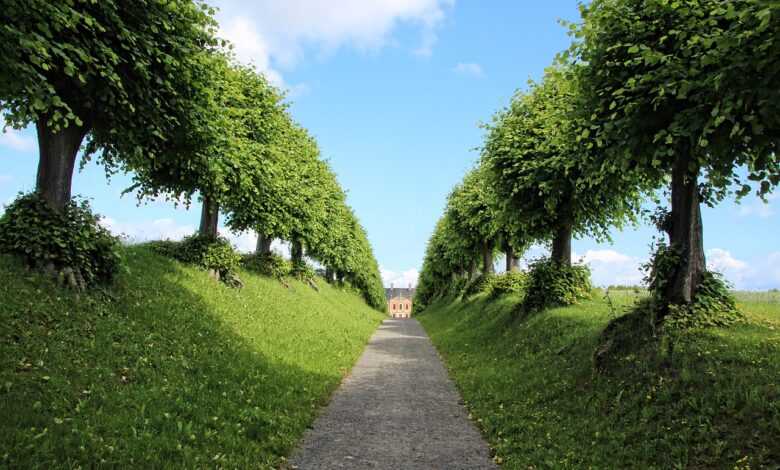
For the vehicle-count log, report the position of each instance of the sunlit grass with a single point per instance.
(709, 400)
(168, 369)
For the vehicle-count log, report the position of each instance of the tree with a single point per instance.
(540, 169)
(680, 89)
(471, 215)
(122, 74)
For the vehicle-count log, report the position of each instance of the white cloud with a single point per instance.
(138, 232)
(721, 260)
(16, 140)
(402, 279)
(469, 69)
(757, 208)
(609, 267)
(275, 34)
(250, 47)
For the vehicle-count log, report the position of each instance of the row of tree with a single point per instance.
(146, 87)
(676, 96)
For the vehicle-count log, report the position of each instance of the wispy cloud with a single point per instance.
(399, 279)
(757, 208)
(16, 140)
(275, 35)
(469, 69)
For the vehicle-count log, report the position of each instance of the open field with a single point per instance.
(708, 399)
(169, 368)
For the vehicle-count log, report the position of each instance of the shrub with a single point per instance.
(550, 285)
(70, 244)
(302, 271)
(270, 264)
(215, 255)
(477, 285)
(507, 283)
(713, 304)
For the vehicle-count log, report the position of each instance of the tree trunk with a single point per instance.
(472, 270)
(487, 259)
(685, 233)
(561, 247)
(209, 217)
(58, 151)
(329, 275)
(296, 251)
(511, 260)
(263, 244)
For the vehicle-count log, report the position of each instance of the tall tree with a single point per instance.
(121, 73)
(471, 214)
(538, 166)
(682, 89)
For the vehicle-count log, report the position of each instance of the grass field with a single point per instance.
(169, 368)
(710, 401)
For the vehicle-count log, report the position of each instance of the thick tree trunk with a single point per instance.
(487, 259)
(511, 260)
(263, 244)
(685, 233)
(58, 151)
(472, 270)
(561, 249)
(209, 218)
(296, 251)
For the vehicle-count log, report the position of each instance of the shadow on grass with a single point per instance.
(144, 375)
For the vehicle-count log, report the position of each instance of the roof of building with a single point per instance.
(403, 293)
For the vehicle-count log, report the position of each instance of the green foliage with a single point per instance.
(270, 264)
(167, 369)
(477, 285)
(60, 242)
(217, 255)
(550, 284)
(684, 79)
(713, 305)
(130, 74)
(302, 271)
(707, 401)
(507, 283)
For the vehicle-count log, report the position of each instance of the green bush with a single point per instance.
(507, 283)
(551, 285)
(215, 255)
(713, 304)
(271, 265)
(71, 244)
(477, 285)
(302, 271)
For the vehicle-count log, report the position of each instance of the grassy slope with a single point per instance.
(169, 369)
(530, 385)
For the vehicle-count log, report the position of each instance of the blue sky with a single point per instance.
(394, 91)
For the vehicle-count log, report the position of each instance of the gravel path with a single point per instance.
(397, 410)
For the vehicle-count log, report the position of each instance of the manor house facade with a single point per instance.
(399, 301)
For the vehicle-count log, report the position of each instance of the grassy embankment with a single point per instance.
(711, 401)
(168, 368)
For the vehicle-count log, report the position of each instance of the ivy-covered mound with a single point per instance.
(215, 255)
(477, 285)
(506, 283)
(550, 284)
(70, 245)
(268, 264)
(653, 321)
(713, 304)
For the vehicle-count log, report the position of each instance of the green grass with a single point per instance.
(710, 401)
(168, 368)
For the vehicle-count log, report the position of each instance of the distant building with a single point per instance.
(399, 301)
